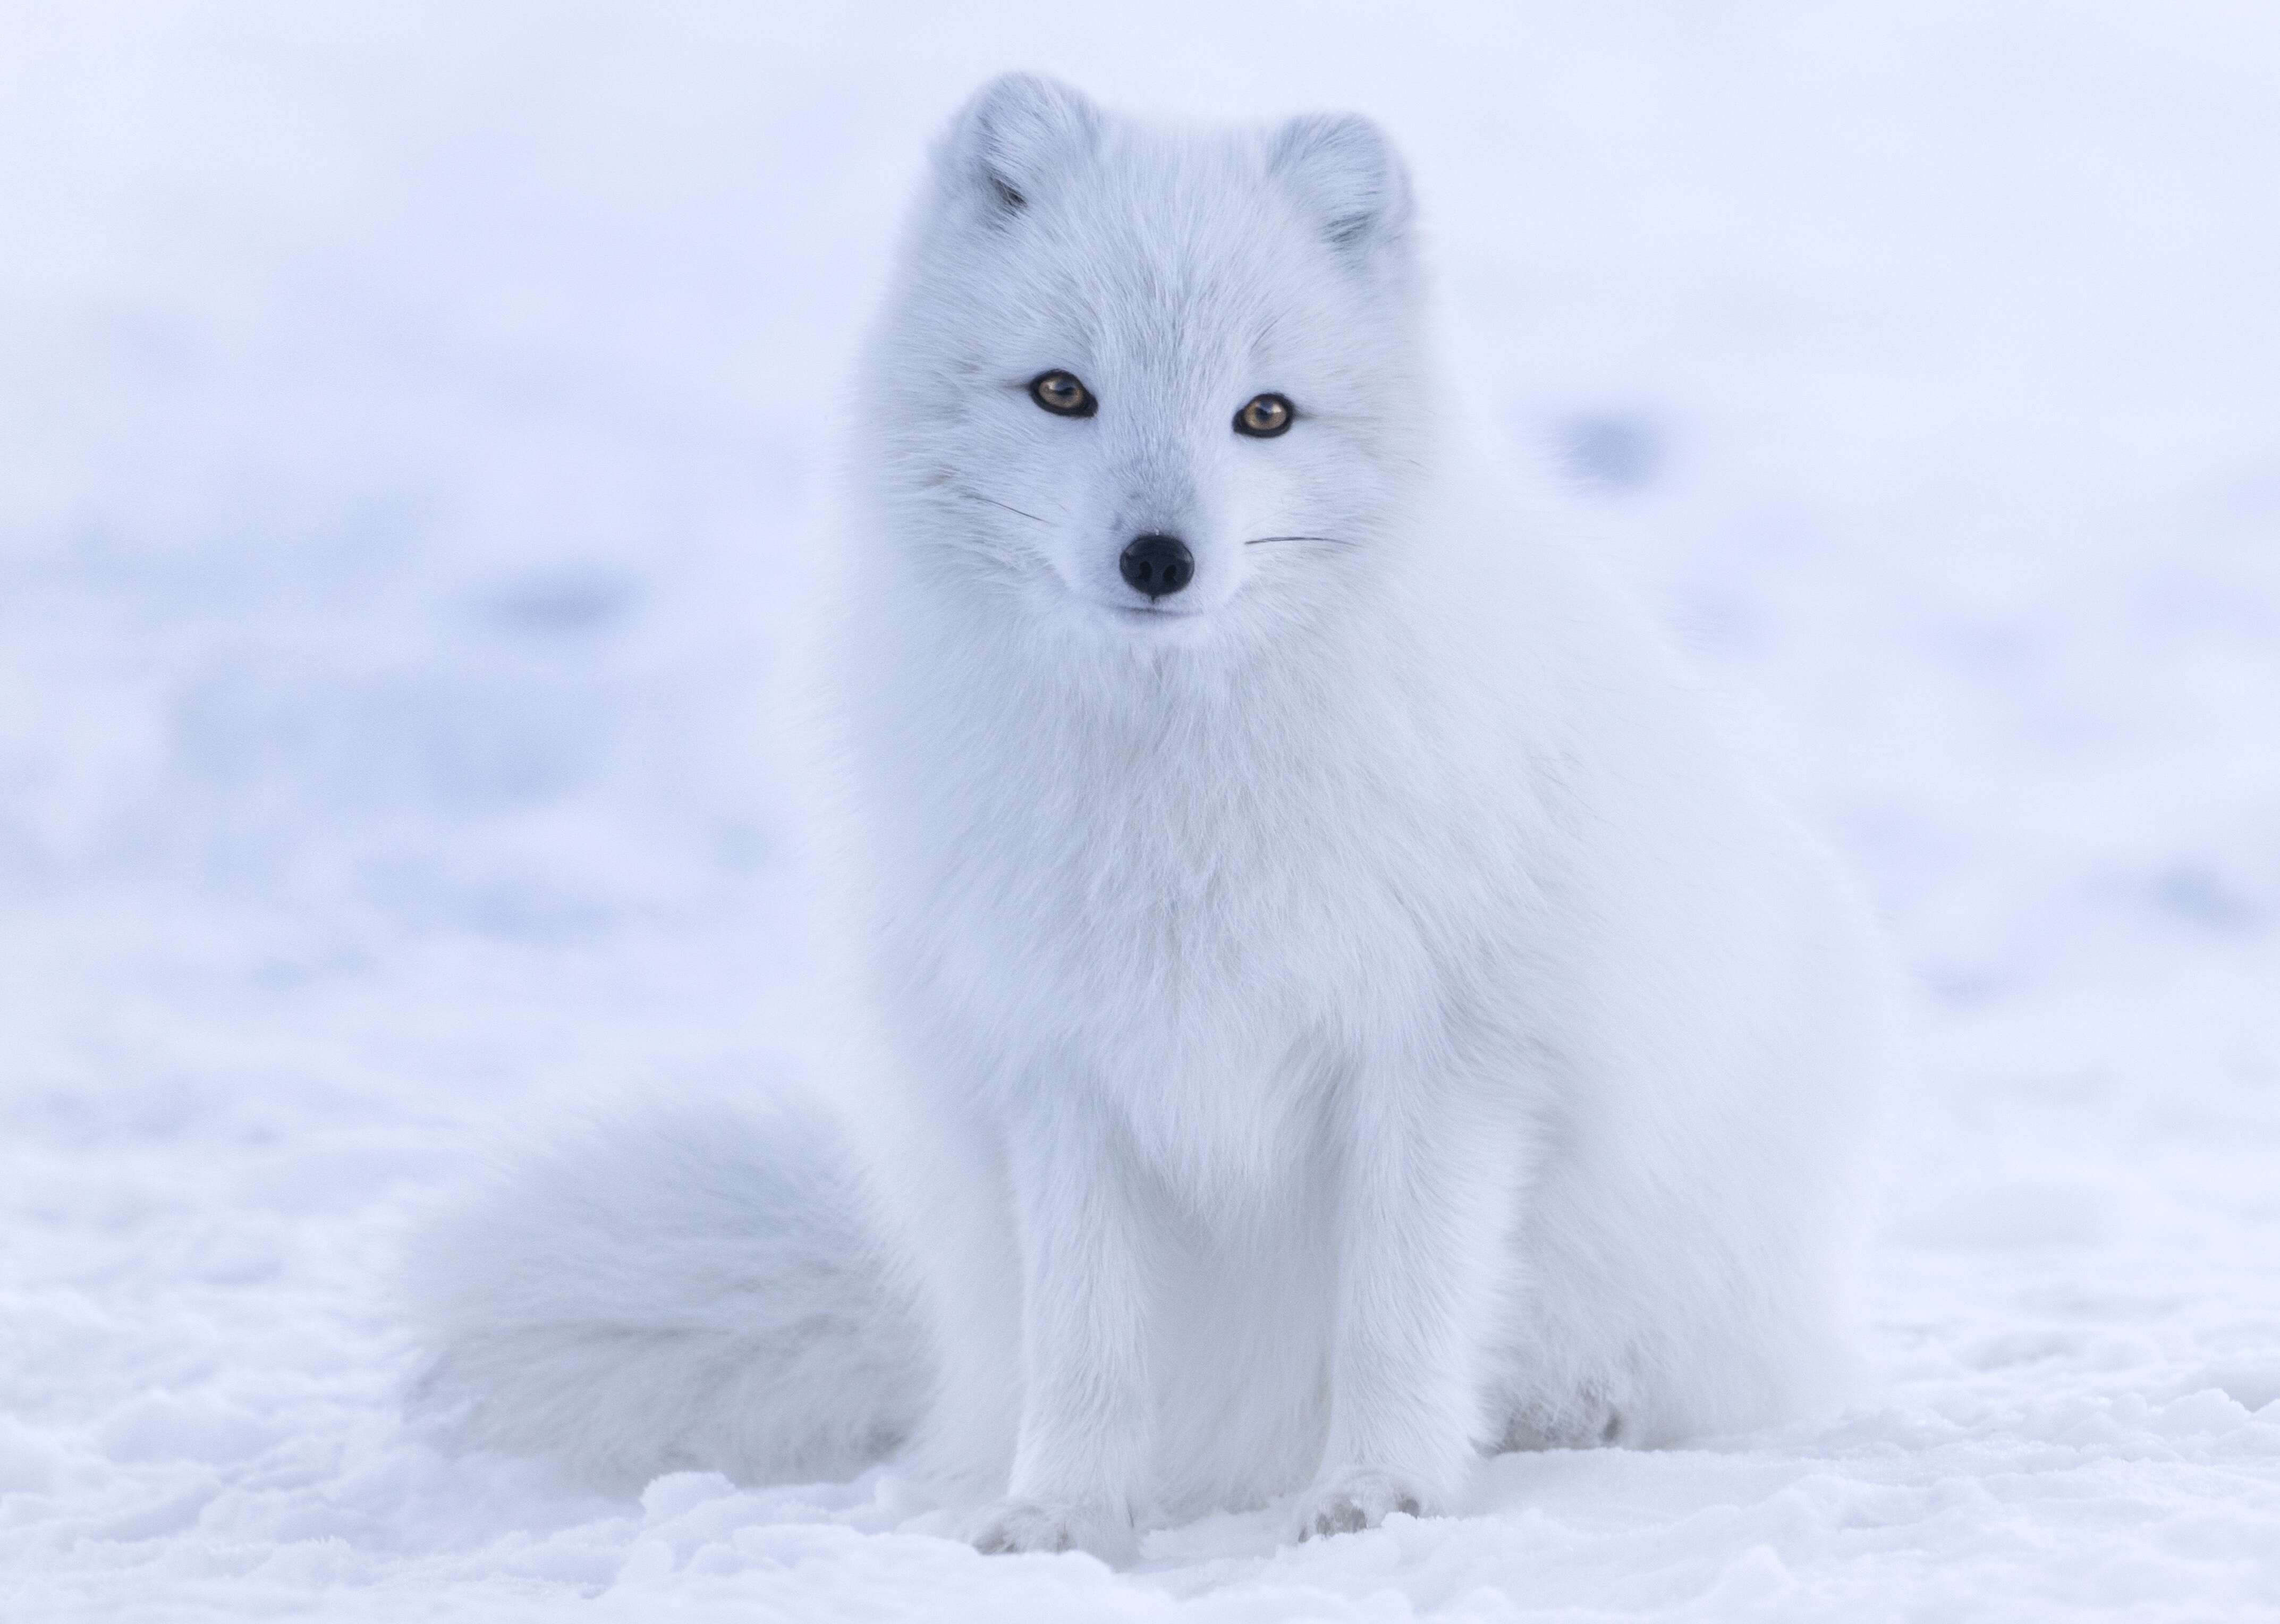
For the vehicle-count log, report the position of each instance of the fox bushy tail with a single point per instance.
(702, 1288)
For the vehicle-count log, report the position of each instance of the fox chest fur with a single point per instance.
(1203, 896)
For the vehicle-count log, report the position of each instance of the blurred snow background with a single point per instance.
(409, 417)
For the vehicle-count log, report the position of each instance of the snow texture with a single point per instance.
(412, 418)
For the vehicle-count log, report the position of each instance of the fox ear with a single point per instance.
(1341, 165)
(1014, 138)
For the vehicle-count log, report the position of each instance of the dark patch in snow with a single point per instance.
(1612, 451)
(2199, 896)
(560, 605)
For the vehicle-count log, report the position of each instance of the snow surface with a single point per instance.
(408, 418)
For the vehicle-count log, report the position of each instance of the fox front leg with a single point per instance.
(1087, 1410)
(1427, 1195)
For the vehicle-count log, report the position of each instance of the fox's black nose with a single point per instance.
(1157, 565)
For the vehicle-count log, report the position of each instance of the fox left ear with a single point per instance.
(1345, 169)
(1019, 134)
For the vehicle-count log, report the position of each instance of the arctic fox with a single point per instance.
(1341, 1007)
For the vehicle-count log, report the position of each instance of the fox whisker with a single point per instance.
(976, 496)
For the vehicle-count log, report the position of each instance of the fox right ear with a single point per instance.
(1018, 134)
(1345, 170)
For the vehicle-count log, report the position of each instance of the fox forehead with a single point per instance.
(1163, 258)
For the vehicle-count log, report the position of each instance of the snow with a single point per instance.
(412, 415)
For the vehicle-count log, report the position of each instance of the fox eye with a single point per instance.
(1263, 417)
(1061, 393)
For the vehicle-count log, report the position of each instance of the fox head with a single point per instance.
(1162, 385)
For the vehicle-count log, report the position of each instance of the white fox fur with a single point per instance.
(1344, 1016)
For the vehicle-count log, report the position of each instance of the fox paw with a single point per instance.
(1012, 1527)
(1350, 1501)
